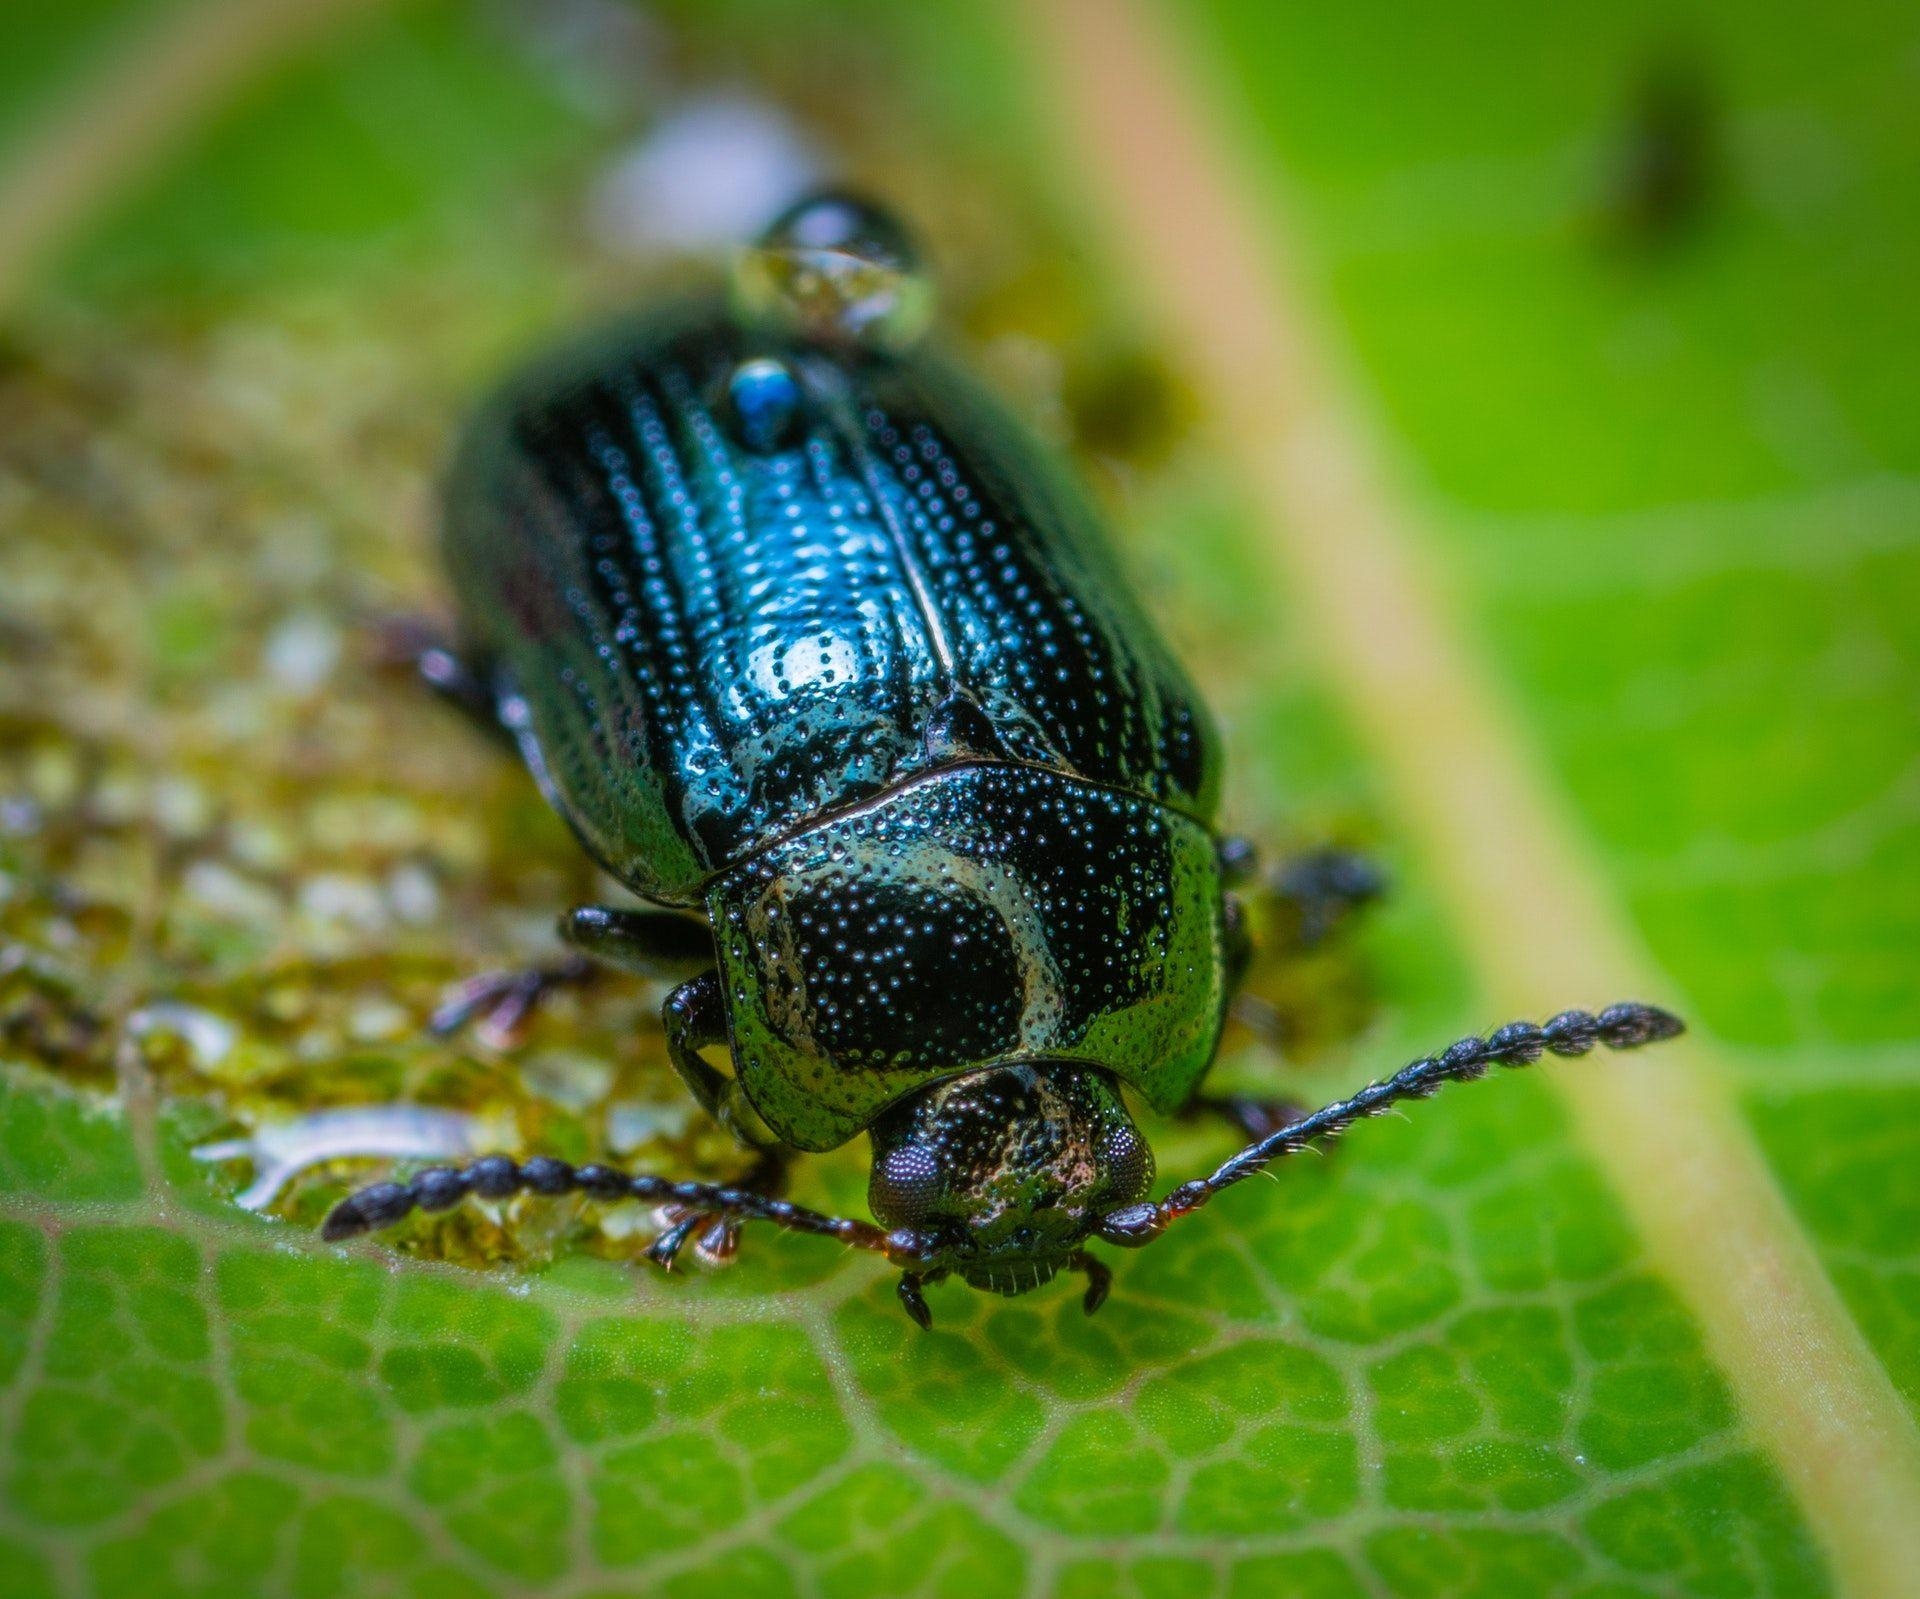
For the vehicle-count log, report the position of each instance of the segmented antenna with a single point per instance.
(499, 1177)
(1572, 1032)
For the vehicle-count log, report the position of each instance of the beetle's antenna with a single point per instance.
(1572, 1032)
(499, 1176)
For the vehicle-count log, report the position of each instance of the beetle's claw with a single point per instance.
(914, 1299)
(715, 1240)
(714, 1235)
(664, 1251)
(719, 1245)
(499, 1005)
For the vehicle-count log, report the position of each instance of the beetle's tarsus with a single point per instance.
(715, 1235)
(719, 1245)
(914, 1299)
(664, 1251)
(498, 1005)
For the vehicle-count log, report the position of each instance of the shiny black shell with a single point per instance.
(721, 658)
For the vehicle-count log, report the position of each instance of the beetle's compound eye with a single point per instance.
(1126, 1161)
(837, 270)
(764, 398)
(905, 1186)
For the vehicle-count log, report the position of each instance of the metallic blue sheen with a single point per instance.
(765, 399)
(727, 649)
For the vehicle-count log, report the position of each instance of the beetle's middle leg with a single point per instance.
(695, 1017)
(653, 943)
(1314, 892)
(1296, 904)
(457, 678)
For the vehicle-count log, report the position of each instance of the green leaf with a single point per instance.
(1446, 1322)
(1681, 497)
(1676, 494)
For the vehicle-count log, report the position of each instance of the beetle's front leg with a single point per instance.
(695, 1017)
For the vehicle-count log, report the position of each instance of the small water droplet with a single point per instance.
(764, 398)
(837, 270)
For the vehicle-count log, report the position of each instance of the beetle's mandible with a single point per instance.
(829, 664)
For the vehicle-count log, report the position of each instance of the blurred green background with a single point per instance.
(1627, 296)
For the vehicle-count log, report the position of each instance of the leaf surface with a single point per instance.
(1435, 1362)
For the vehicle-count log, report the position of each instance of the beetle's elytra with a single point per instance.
(823, 658)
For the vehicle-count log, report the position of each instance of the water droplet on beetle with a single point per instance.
(836, 269)
(764, 399)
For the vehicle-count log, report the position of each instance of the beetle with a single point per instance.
(825, 660)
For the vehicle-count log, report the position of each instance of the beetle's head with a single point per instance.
(1000, 1175)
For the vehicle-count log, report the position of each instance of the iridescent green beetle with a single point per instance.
(822, 657)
